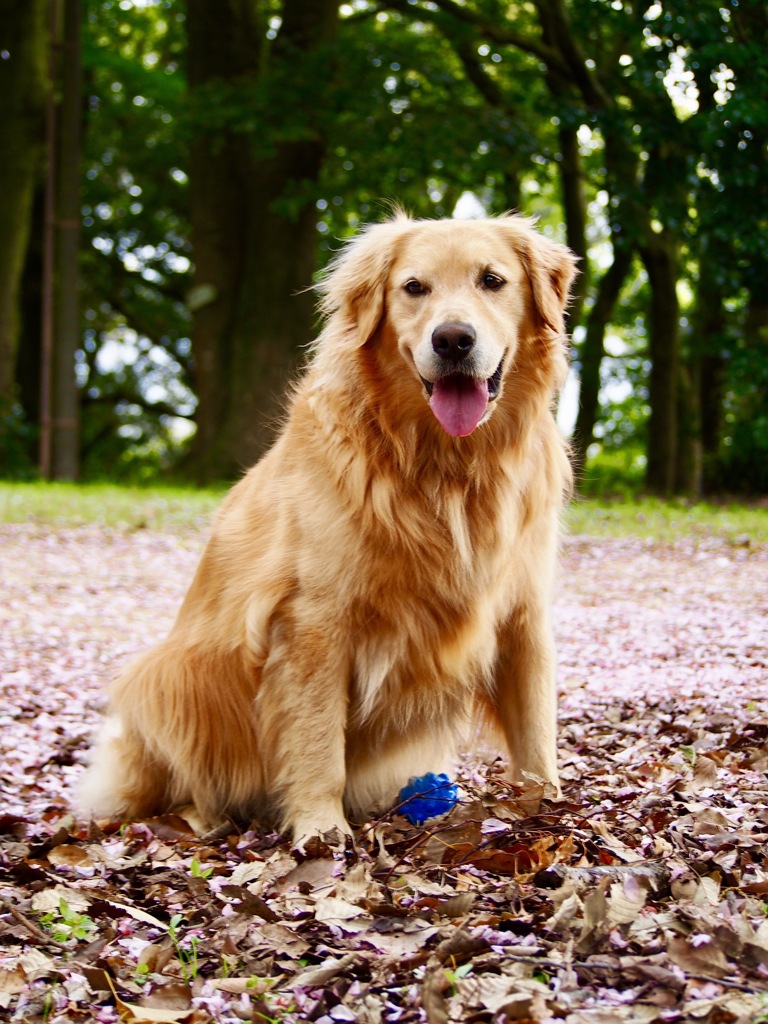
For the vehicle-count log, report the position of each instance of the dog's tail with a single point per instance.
(179, 731)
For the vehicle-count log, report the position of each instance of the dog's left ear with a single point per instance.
(354, 285)
(551, 269)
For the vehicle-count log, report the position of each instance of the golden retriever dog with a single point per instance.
(382, 576)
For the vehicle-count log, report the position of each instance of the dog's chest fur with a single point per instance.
(442, 588)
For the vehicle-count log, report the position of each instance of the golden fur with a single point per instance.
(373, 582)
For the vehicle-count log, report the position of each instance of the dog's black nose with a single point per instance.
(453, 341)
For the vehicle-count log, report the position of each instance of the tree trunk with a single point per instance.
(756, 322)
(688, 458)
(575, 210)
(31, 297)
(660, 258)
(253, 227)
(711, 381)
(65, 460)
(708, 370)
(592, 349)
(23, 80)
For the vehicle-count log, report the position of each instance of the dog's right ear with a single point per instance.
(354, 284)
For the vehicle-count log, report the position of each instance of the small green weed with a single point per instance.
(275, 1014)
(453, 976)
(186, 949)
(66, 923)
(141, 975)
(198, 871)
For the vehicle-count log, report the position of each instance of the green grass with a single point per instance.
(107, 505)
(169, 509)
(667, 520)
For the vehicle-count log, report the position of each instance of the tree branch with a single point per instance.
(496, 32)
(558, 34)
(134, 398)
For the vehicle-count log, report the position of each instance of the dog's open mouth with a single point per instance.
(459, 401)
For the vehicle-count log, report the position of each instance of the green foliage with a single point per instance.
(689, 753)
(198, 871)
(186, 947)
(455, 975)
(17, 437)
(66, 924)
(408, 126)
(741, 465)
(135, 361)
(420, 103)
(613, 472)
(142, 975)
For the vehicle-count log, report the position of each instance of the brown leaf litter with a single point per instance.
(642, 897)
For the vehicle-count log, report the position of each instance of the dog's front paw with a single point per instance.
(331, 830)
(549, 785)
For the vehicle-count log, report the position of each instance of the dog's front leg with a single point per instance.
(301, 711)
(524, 697)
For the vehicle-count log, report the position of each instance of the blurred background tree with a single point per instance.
(23, 92)
(227, 147)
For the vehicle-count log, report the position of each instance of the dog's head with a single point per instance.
(464, 303)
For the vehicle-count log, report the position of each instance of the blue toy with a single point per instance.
(427, 796)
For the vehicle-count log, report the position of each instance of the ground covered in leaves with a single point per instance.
(642, 897)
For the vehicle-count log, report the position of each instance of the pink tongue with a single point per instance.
(459, 403)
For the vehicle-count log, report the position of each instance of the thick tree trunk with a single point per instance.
(660, 258)
(247, 339)
(23, 80)
(592, 350)
(253, 228)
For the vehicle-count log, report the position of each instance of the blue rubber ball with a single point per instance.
(427, 796)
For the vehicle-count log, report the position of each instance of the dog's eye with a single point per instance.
(492, 282)
(414, 287)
